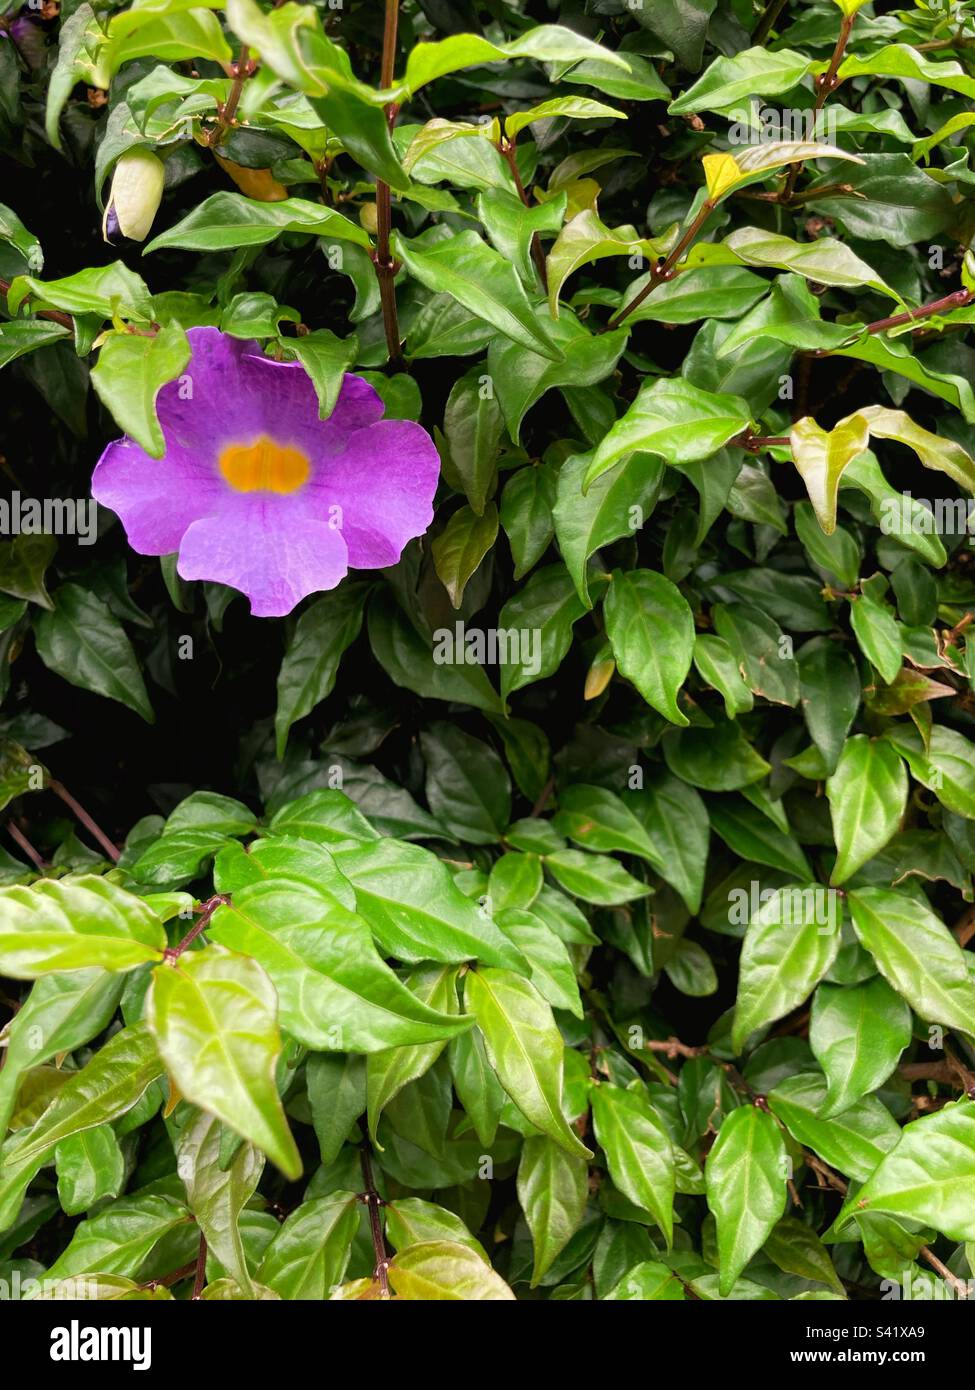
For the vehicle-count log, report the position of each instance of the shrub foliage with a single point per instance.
(578, 906)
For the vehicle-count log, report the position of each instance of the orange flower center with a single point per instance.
(264, 466)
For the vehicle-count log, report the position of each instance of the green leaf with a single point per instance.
(311, 663)
(929, 1176)
(90, 1167)
(217, 1193)
(674, 419)
(23, 563)
(867, 798)
(416, 912)
(857, 1035)
(75, 923)
(796, 1249)
(411, 1221)
(719, 759)
(676, 821)
(920, 535)
(901, 60)
(595, 878)
(480, 278)
(830, 695)
(746, 1174)
(525, 1048)
(325, 816)
(521, 378)
(444, 1270)
(467, 786)
(748, 832)
(387, 1072)
(541, 615)
(598, 819)
(310, 1251)
(718, 667)
(788, 948)
(638, 1151)
(213, 1014)
(945, 766)
(64, 78)
(877, 634)
(526, 515)
(334, 992)
(119, 1238)
(553, 1189)
(647, 1282)
(825, 261)
(761, 650)
(575, 108)
(548, 43)
(106, 291)
(461, 547)
(916, 954)
(336, 1096)
(615, 505)
(853, 1142)
(584, 239)
(473, 427)
(228, 220)
(129, 374)
(893, 201)
(25, 336)
(437, 667)
(326, 358)
(513, 227)
(552, 971)
(109, 1085)
(60, 1014)
(650, 627)
(84, 643)
(753, 72)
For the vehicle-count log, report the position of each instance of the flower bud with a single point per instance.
(137, 188)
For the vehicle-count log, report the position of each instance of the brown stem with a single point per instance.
(55, 315)
(673, 1047)
(207, 910)
(199, 1283)
(373, 1203)
(94, 830)
(959, 1285)
(755, 443)
(767, 22)
(958, 300)
(964, 928)
(507, 148)
(826, 83)
(543, 798)
(21, 839)
(664, 270)
(382, 260)
(227, 113)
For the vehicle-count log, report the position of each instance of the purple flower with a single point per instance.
(255, 491)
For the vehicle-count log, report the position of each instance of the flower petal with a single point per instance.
(272, 552)
(384, 483)
(156, 499)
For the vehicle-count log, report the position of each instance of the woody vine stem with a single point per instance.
(382, 258)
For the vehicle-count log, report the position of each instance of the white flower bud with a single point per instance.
(137, 188)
